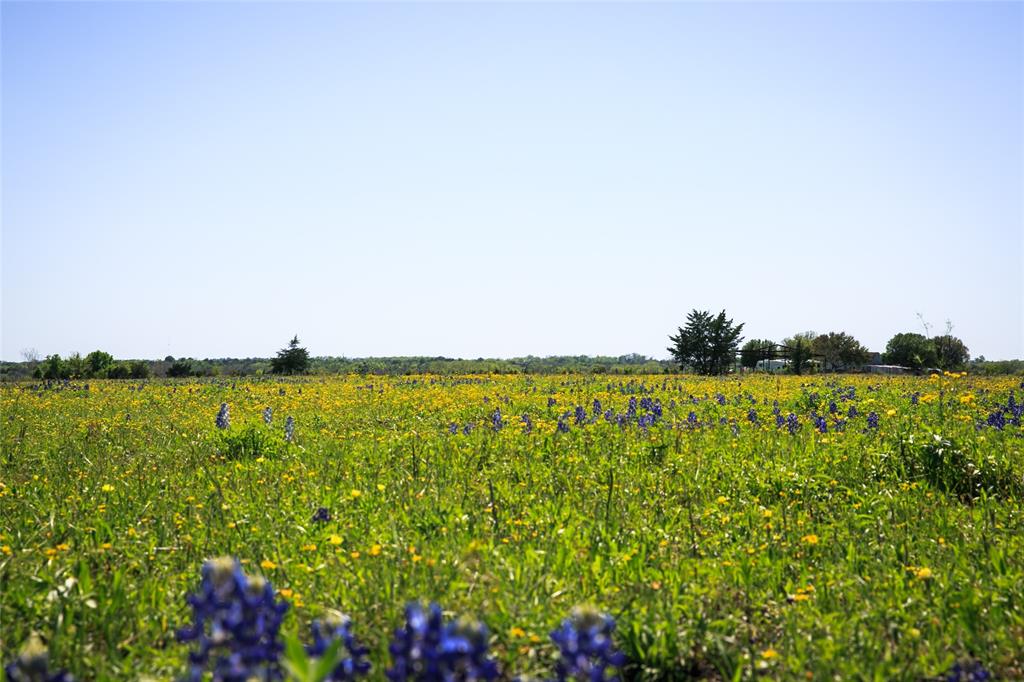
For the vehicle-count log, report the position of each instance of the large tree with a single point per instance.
(707, 344)
(839, 350)
(911, 350)
(291, 360)
(799, 350)
(950, 351)
(755, 350)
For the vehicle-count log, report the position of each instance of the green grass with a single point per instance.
(878, 554)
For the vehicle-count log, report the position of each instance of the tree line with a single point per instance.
(710, 344)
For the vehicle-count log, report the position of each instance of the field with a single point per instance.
(826, 527)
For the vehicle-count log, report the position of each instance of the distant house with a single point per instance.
(886, 369)
(772, 365)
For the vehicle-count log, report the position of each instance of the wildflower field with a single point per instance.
(824, 527)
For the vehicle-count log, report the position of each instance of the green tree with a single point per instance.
(291, 360)
(53, 367)
(839, 350)
(755, 350)
(950, 351)
(799, 349)
(98, 361)
(707, 344)
(911, 350)
(180, 368)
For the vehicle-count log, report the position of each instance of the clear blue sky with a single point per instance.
(204, 179)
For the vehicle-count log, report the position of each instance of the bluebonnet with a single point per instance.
(645, 420)
(631, 408)
(467, 429)
(428, 649)
(691, 418)
(656, 409)
(496, 422)
(453, 428)
(609, 415)
(852, 412)
(967, 671)
(289, 429)
(720, 398)
(581, 415)
(997, 419)
(872, 420)
(752, 415)
(527, 423)
(821, 424)
(223, 417)
(551, 402)
(779, 421)
(775, 408)
(268, 415)
(237, 619)
(563, 426)
(585, 646)
(792, 423)
(915, 398)
(325, 632)
(597, 407)
(832, 407)
(322, 515)
(33, 664)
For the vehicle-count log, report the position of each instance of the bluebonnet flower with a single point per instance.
(428, 649)
(967, 671)
(691, 418)
(720, 398)
(223, 417)
(527, 423)
(33, 664)
(334, 627)
(779, 421)
(852, 412)
(832, 407)
(752, 415)
(289, 429)
(656, 409)
(236, 618)
(915, 398)
(821, 424)
(645, 420)
(997, 419)
(496, 422)
(551, 402)
(453, 428)
(322, 515)
(631, 408)
(597, 406)
(467, 429)
(872, 420)
(609, 415)
(585, 646)
(792, 423)
(581, 415)
(723, 420)
(563, 426)
(775, 408)
(268, 415)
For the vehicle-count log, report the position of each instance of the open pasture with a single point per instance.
(824, 527)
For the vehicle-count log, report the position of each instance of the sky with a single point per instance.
(497, 180)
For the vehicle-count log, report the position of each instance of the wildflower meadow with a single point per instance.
(479, 527)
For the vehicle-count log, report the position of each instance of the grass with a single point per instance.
(729, 549)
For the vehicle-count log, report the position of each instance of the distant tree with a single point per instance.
(291, 360)
(754, 350)
(800, 349)
(98, 361)
(138, 369)
(707, 344)
(76, 366)
(911, 350)
(30, 355)
(839, 350)
(118, 370)
(52, 367)
(180, 368)
(950, 351)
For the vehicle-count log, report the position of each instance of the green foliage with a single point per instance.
(911, 350)
(951, 352)
(249, 442)
(707, 344)
(291, 360)
(800, 348)
(98, 361)
(180, 368)
(839, 351)
(754, 350)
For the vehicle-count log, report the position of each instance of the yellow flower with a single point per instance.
(286, 593)
(356, 493)
(811, 539)
(891, 413)
(334, 540)
(375, 550)
(517, 632)
(309, 548)
(722, 499)
(107, 488)
(355, 555)
(769, 654)
(380, 487)
(268, 565)
(924, 573)
(6, 549)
